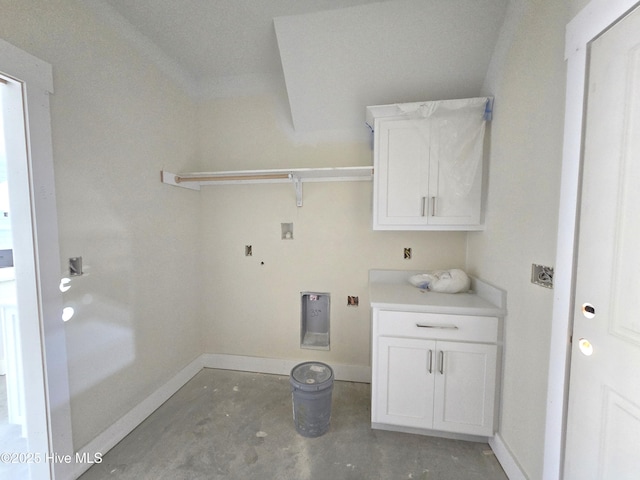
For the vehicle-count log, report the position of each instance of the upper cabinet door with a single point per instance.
(401, 173)
(428, 168)
(456, 172)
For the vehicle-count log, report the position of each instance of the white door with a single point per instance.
(465, 385)
(402, 173)
(405, 381)
(455, 173)
(603, 425)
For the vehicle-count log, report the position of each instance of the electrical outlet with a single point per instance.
(541, 275)
(407, 253)
(287, 231)
(75, 266)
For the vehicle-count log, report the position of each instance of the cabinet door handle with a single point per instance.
(433, 206)
(430, 369)
(423, 212)
(441, 362)
(444, 327)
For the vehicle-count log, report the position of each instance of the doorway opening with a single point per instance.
(26, 84)
(23, 417)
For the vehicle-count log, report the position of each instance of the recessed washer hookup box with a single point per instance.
(314, 320)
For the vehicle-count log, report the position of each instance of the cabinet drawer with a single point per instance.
(437, 326)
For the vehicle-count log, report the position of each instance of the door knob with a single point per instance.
(588, 310)
(585, 347)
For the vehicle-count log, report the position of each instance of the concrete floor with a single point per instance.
(237, 425)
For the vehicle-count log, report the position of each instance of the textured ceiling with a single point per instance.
(208, 40)
(336, 53)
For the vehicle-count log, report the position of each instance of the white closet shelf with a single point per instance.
(296, 176)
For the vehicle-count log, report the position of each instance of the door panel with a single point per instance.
(621, 437)
(455, 175)
(465, 388)
(404, 163)
(405, 387)
(603, 426)
(626, 277)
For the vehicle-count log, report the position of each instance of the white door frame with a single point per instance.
(37, 78)
(594, 19)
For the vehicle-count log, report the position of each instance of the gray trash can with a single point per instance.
(311, 388)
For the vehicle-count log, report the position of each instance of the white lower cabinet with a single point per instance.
(433, 375)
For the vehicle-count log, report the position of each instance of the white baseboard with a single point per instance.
(507, 460)
(429, 433)
(125, 425)
(276, 366)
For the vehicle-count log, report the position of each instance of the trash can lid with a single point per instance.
(311, 374)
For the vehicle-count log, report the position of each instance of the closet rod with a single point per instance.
(269, 176)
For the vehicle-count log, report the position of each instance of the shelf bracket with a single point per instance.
(297, 183)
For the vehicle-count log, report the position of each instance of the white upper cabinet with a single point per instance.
(428, 164)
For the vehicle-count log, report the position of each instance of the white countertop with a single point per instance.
(391, 290)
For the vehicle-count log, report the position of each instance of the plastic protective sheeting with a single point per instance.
(442, 281)
(454, 131)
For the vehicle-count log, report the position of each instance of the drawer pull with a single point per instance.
(444, 327)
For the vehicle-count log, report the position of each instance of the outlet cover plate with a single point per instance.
(75, 266)
(541, 275)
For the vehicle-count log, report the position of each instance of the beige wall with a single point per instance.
(574, 7)
(525, 161)
(144, 311)
(254, 309)
(116, 123)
